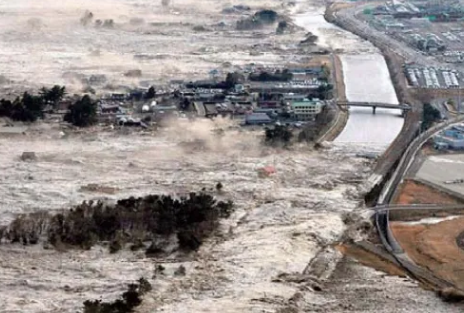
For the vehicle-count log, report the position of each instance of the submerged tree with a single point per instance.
(151, 93)
(83, 113)
(280, 134)
(53, 95)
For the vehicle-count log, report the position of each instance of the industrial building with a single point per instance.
(257, 119)
(451, 138)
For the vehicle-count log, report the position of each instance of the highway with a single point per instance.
(347, 19)
(379, 39)
(382, 209)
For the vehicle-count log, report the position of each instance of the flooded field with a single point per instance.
(44, 42)
(281, 222)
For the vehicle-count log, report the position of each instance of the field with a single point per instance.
(413, 192)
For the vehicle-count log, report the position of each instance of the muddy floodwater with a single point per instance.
(367, 80)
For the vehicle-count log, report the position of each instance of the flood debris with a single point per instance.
(28, 156)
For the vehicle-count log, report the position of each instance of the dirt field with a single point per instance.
(413, 192)
(433, 246)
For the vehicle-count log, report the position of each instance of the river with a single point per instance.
(366, 78)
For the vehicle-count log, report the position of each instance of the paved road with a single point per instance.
(408, 158)
(382, 213)
(350, 16)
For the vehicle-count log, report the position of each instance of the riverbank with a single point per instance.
(394, 63)
(341, 116)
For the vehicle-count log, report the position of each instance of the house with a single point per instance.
(109, 108)
(257, 119)
(306, 110)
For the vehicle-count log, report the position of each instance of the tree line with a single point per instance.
(30, 108)
(130, 221)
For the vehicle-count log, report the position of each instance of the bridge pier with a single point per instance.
(373, 109)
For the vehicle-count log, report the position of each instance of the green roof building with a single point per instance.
(306, 110)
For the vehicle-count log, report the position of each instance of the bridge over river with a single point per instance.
(374, 105)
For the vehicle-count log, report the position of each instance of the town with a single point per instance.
(202, 156)
(291, 97)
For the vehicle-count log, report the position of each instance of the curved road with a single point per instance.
(382, 220)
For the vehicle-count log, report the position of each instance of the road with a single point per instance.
(347, 19)
(350, 17)
(382, 213)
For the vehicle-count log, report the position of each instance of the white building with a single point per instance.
(306, 110)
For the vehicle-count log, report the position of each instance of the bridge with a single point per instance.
(375, 105)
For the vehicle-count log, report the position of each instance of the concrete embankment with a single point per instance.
(341, 116)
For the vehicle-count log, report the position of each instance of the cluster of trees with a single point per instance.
(29, 108)
(82, 113)
(430, 116)
(280, 76)
(131, 220)
(278, 135)
(231, 80)
(129, 300)
(258, 20)
(323, 92)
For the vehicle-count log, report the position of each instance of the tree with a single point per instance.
(6, 108)
(151, 93)
(430, 115)
(278, 135)
(281, 27)
(27, 108)
(233, 79)
(324, 91)
(53, 95)
(325, 74)
(82, 113)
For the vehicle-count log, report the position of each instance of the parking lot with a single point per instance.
(430, 77)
